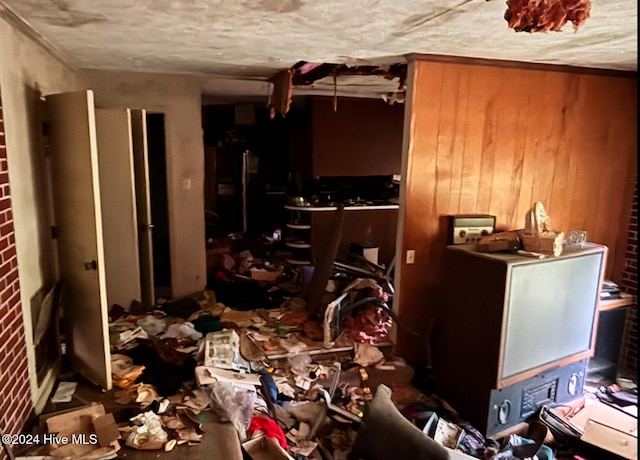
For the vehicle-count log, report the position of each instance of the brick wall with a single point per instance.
(15, 393)
(629, 353)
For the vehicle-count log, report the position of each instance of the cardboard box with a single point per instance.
(263, 448)
(608, 438)
(605, 427)
(82, 433)
(366, 250)
(106, 429)
(550, 244)
(259, 274)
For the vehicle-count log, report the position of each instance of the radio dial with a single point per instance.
(462, 233)
(504, 410)
(572, 386)
(484, 232)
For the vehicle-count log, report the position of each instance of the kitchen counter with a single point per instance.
(362, 207)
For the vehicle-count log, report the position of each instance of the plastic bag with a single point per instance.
(182, 331)
(233, 405)
(152, 325)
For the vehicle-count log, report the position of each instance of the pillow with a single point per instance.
(385, 434)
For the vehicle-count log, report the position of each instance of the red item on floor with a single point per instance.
(270, 429)
(221, 276)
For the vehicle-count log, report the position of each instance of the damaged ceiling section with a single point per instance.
(387, 82)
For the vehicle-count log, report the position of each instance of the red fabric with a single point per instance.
(221, 276)
(270, 429)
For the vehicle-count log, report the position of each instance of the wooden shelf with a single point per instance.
(298, 244)
(624, 301)
(298, 226)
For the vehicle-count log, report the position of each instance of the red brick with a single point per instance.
(12, 342)
(8, 318)
(12, 277)
(22, 364)
(4, 381)
(13, 407)
(5, 203)
(5, 268)
(6, 229)
(8, 253)
(5, 364)
(6, 333)
(6, 295)
(15, 300)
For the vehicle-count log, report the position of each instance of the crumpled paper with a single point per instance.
(539, 235)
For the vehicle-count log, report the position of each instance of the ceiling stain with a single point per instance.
(257, 38)
(67, 17)
(417, 21)
(273, 6)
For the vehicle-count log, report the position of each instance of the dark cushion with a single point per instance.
(385, 434)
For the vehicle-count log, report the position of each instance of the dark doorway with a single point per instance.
(159, 204)
(246, 162)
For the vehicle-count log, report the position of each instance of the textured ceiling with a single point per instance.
(254, 39)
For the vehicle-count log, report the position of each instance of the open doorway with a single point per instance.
(246, 163)
(159, 204)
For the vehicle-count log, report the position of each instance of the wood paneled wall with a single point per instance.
(493, 140)
(362, 138)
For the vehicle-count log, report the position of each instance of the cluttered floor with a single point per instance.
(246, 370)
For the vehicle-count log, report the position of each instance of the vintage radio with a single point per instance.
(469, 228)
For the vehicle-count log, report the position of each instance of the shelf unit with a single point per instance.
(298, 237)
(603, 365)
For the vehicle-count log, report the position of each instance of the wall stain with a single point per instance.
(274, 6)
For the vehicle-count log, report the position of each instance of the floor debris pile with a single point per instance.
(285, 383)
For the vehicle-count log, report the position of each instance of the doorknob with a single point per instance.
(93, 265)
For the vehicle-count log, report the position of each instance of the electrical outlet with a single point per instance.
(411, 256)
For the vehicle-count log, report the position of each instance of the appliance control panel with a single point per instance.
(469, 228)
(533, 398)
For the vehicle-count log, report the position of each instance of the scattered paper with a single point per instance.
(64, 392)
(223, 375)
(304, 451)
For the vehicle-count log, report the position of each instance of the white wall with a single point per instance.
(26, 69)
(179, 98)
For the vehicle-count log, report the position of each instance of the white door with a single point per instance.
(143, 203)
(72, 144)
(118, 200)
